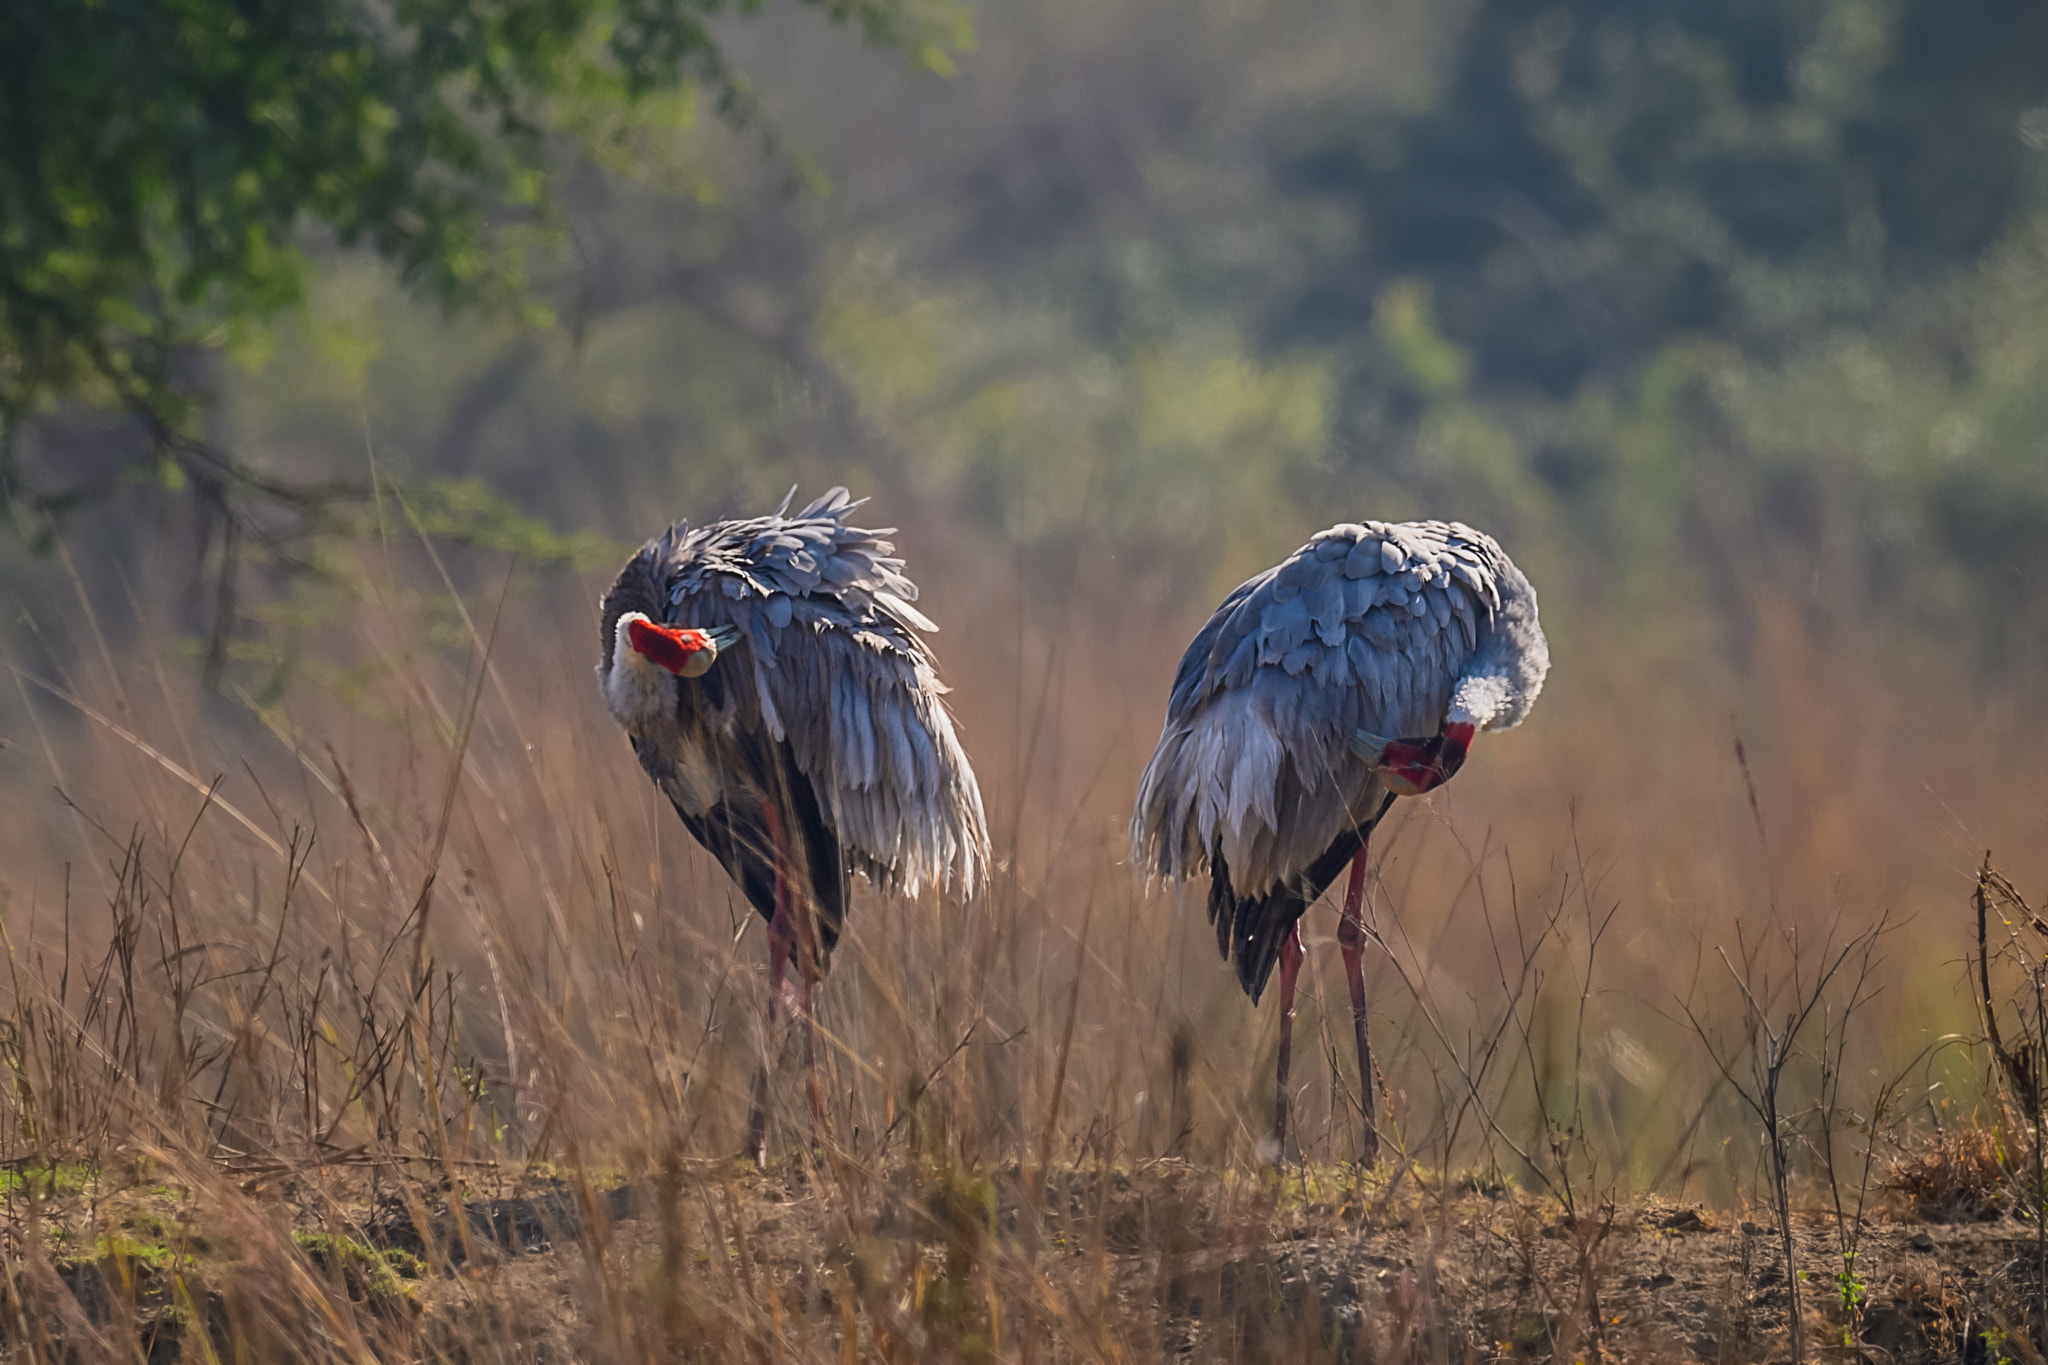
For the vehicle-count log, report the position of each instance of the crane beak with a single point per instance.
(1368, 746)
(710, 643)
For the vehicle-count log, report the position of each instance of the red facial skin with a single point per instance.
(1410, 767)
(671, 648)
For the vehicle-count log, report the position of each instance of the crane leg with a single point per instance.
(780, 945)
(1351, 938)
(1290, 968)
(807, 998)
(790, 939)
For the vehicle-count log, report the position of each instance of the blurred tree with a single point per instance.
(165, 165)
(1758, 280)
(1603, 174)
(1653, 229)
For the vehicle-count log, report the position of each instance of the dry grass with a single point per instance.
(412, 956)
(1954, 1175)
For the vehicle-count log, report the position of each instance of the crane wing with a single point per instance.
(831, 663)
(1365, 627)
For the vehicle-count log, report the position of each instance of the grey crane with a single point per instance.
(773, 679)
(1272, 769)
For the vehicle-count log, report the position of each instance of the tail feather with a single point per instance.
(1250, 930)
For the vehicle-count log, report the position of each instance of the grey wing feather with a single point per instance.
(832, 661)
(1368, 626)
(1227, 643)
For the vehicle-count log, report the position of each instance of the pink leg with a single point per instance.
(1351, 938)
(781, 946)
(1290, 968)
(807, 996)
(795, 940)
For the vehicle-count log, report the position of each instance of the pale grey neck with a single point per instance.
(1500, 684)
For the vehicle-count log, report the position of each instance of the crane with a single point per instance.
(774, 680)
(1275, 763)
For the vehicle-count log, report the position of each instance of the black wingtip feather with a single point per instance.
(1250, 930)
(736, 834)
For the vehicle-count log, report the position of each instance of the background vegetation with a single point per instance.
(1727, 318)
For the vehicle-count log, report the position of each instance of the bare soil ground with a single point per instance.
(1164, 1261)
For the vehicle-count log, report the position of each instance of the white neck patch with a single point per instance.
(637, 690)
(1479, 699)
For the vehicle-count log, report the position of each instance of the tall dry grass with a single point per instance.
(420, 924)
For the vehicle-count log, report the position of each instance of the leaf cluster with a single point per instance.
(164, 166)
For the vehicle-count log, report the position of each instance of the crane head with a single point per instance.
(682, 650)
(1410, 767)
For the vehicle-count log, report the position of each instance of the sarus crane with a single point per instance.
(772, 676)
(1274, 765)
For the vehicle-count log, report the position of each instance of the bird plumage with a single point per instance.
(1392, 628)
(827, 703)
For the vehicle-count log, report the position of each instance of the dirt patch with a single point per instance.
(1165, 1261)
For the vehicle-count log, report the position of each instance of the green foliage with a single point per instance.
(165, 166)
(1402, 320)
(1660, 294)
(466, 512)
(1850, 1296)
(1600, 176)
(46, 1181)
(171, 173)
(117, 1247)
(961, 1207)
(1184, 440)
(367, 1273)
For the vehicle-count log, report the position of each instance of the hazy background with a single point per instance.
(1729, 320)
